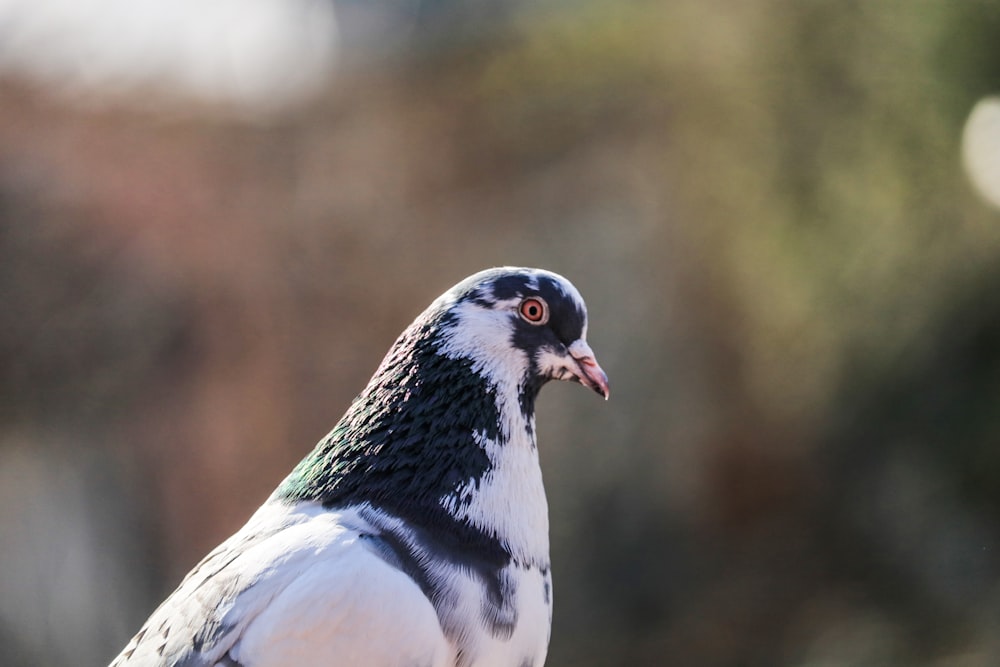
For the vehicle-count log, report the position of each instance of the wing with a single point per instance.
(296, 585)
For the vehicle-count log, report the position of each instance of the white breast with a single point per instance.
(509, 501)
(528, 645)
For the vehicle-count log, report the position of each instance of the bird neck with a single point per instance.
(435, 441)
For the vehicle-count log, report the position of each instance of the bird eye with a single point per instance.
(534, 310)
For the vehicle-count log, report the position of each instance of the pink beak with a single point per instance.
(589, 372)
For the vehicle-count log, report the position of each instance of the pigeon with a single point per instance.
(416, 533)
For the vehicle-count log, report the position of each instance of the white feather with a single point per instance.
(310, 593)
(509, 501)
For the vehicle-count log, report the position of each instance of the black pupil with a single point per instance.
(532, 310)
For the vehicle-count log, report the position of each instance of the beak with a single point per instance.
(588, 371)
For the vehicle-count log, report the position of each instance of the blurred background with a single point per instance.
(215, 217)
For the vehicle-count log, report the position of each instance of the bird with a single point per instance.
(416, 533)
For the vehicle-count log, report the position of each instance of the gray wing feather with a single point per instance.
(194, 625)
(262, 585)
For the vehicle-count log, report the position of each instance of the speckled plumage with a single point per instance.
(416, 532)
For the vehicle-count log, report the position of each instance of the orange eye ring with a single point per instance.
(534, 310)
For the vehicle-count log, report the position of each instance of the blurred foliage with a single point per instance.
(791, 285)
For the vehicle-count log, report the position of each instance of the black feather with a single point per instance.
(408, 441)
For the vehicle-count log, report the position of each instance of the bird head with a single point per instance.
(520, 324)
